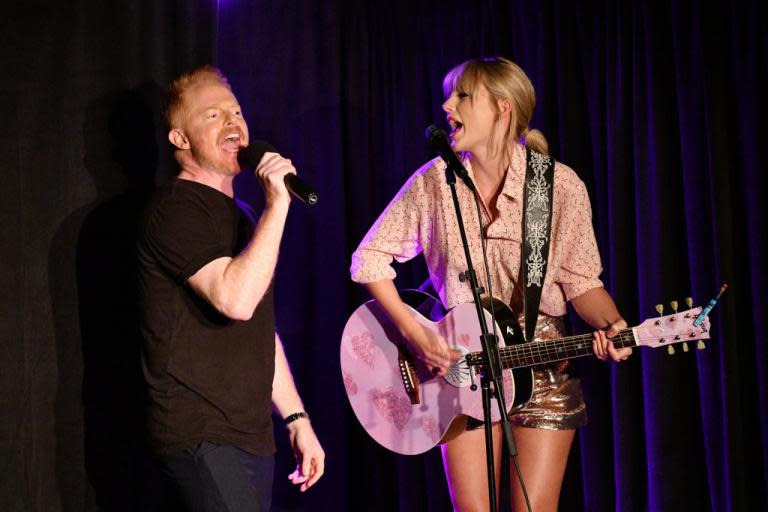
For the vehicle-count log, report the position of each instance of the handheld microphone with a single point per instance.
(441, 144)
(252, 156)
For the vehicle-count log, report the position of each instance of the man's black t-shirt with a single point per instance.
(210, 377)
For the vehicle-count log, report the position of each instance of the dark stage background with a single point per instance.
(659, 107)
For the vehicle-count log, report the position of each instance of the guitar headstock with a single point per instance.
(671, 329)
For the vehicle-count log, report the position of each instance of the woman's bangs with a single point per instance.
(464, 77)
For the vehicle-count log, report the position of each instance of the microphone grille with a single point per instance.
(433, 132)
(252, 154)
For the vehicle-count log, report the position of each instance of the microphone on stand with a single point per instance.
(252, 156)
(441, 145)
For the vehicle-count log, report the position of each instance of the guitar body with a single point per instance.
(377, 369)
(408, 410)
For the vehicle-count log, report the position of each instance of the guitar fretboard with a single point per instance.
(541, 352)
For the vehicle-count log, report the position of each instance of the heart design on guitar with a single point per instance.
(430, 427)
(393, 407)
(363, 347)
(349, 384)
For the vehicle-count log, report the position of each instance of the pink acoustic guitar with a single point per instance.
(407, 410)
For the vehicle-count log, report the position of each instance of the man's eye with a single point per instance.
(212, 115)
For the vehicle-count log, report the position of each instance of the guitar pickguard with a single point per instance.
(460, 374)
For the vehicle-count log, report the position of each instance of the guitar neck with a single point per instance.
(542, 352)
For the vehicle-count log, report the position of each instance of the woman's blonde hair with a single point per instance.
(504, 80)
(173, 107)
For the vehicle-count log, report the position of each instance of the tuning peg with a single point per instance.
(673, 305)
(660, 309)
(671, 350)
(685, 346)
(700, 345)
(689, 302)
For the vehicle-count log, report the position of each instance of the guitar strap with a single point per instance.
(537, 227)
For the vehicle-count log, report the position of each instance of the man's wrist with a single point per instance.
(279, 205)
(295, 416)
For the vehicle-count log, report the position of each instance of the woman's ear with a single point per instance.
(505, 107)
(178, 139)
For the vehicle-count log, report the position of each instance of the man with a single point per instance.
(212, 359)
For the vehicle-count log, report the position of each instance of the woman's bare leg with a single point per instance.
(466, 469)
(542, 456)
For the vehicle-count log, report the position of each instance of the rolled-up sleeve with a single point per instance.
(580, 267)
(394, 235)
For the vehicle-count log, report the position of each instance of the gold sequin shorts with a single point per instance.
(556, 401)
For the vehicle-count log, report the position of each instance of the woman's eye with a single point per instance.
(462, 94)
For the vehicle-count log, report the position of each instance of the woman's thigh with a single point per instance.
(466, 468)
(542, 456)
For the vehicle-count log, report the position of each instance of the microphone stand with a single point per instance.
(489, 343)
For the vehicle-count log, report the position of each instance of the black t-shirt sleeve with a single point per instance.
(183, 236)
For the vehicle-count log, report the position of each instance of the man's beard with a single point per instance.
(217, 165)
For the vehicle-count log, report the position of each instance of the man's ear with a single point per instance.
(178, 139)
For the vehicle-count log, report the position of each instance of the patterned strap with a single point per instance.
(537, 227)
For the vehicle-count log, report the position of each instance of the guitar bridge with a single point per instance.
(408, 375)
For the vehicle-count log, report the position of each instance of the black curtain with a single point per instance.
(657, 106)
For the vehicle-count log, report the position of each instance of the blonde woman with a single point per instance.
(489, 104)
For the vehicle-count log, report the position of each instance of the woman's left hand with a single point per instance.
(603, 347)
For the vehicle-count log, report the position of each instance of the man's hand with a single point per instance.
(310, 456)
(271, 172)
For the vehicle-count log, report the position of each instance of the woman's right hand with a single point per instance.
(430, 348)
(426, 345)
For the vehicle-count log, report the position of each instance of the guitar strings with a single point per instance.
(562, 347)
(539, 352)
